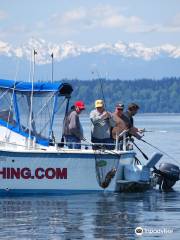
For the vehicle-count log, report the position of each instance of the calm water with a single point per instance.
(103, 215)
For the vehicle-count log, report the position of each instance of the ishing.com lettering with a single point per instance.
(38, 173)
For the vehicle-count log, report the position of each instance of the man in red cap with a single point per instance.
(73, 131)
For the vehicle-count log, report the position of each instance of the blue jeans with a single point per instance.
(73, 142)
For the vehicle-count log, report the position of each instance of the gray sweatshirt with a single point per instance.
(72, 125)
(100, 128)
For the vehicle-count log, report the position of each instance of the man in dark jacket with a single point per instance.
(128, 118)
(73, 131)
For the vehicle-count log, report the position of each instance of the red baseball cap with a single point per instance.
(80, 105)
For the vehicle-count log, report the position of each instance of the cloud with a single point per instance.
(109, 17)
(82, 20)
(120, 21)
(176, 21)
(101, 17)
(74, 15)
(97, 17)
(77, 22)
(171, 26)
(3, 14)
(72, 21)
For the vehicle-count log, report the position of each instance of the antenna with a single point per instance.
(31, 100)
(52, 63)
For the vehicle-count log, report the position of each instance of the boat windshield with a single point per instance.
(42, 113)
(7, 113)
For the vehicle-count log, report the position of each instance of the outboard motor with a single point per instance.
(167, 175)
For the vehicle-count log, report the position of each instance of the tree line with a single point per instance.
(153, 96)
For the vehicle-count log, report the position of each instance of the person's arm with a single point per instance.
(134, 132)
(111, 119)
(95, 118)
(119, 128)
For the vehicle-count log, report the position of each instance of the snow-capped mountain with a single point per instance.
(119, 60)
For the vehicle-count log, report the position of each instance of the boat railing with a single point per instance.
(120, 143)
(83, 146)
(6, 144)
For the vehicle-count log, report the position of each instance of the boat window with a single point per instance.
(7, 112)
(42, 113)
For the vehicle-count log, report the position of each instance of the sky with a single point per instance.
(90, 22)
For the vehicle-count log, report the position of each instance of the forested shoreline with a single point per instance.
(153, 96)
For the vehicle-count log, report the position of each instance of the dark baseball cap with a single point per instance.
(120, 105)
(133, 106)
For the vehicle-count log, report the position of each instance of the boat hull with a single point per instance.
(45, 172)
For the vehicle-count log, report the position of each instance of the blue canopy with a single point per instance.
(16, 105)
(62, 88)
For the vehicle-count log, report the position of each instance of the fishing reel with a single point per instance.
(166, 176)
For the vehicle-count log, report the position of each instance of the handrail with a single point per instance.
(122, 134)
(19, 145)
(56, 145)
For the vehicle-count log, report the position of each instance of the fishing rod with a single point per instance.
(144, 155)
(157, 149)
(160, 131)
(101, 85)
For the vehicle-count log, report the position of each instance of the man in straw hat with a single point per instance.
(102, 122)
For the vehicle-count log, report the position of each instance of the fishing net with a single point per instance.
(106, 166)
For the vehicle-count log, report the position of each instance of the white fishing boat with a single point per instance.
(30, 162)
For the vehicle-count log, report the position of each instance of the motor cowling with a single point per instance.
(168, 174)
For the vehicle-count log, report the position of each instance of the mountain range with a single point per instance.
(73, 61)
